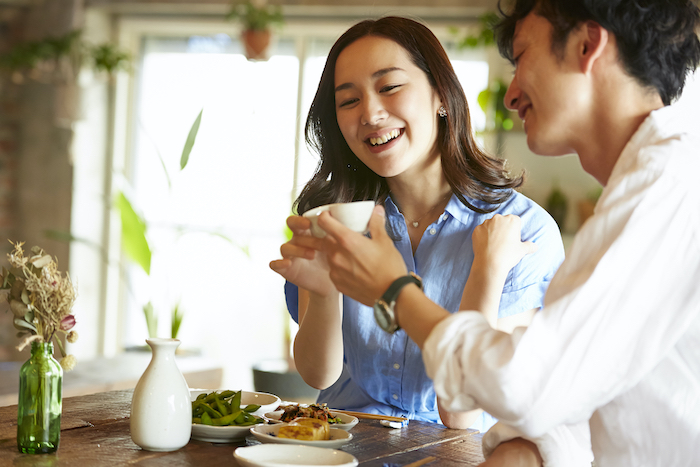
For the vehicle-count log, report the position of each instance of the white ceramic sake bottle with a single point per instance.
(161, 408)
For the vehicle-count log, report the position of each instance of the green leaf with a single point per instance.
(8, 279)
(190, 141)
(134, 239)
(471, 42)
(484, 99)
(108, 57)
(63, 236)
(60, 347)
(176, 321)
(244, 248)
(151, 319)
(22, 324)
(160, 156)
(68, 237)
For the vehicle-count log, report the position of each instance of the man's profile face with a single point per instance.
(546, 89)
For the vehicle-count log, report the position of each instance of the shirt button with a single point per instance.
(433, 231)
(396, 366)
(444, 218)
(395, 397)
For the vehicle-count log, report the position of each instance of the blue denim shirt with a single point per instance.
(384, 373)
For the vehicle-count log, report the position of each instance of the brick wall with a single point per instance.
(10, 26)
(35, 169)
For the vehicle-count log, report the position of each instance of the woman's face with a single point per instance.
(385, 106)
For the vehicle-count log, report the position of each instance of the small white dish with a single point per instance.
(354, 216)
(347, 421)
(219, 434)
(268, 434)
(284, 455)
(229, 434)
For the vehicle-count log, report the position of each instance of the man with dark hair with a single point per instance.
(655, 41)
(615, 352)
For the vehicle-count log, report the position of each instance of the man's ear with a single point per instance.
(593, 39)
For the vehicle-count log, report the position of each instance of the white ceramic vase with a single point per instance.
(161, 409)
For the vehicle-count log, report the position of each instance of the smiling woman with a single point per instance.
(391, 124)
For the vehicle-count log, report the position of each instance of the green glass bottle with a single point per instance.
(40, 402)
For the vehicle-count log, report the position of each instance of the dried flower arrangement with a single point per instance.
(41, 299)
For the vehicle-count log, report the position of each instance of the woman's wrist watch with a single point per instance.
(384, 313)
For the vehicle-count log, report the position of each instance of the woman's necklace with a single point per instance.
(416, 222)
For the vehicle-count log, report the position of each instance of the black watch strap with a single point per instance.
(392, 293)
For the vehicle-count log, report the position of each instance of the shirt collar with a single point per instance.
(454, 208)
(672, 121)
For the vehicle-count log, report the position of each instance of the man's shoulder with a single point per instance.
(664, 147)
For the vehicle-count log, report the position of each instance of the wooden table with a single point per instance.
(95, 432)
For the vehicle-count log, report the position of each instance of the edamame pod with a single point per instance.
(227, 420)
(251, 408)
(223, 409)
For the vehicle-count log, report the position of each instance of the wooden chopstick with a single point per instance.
(427, 460)
(370, 416)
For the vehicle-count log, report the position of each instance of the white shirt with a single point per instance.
(617, 344)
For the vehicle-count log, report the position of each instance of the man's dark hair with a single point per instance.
(657, 39)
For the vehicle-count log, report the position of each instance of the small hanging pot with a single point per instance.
(255, 42)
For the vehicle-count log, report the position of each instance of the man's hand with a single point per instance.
(517, 452)
(360, 267)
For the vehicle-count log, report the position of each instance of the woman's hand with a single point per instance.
(498, 246)
(302, 263)
(360, 267)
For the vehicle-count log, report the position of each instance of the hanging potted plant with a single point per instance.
(256, 18)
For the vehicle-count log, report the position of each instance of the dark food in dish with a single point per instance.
(321, 412)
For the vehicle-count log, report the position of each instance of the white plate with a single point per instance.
(228, 434)
(348, 421)
(268, 434)
(283, 455)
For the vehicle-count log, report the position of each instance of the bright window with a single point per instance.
(215, 226)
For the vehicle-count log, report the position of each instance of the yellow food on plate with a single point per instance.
(306, 429)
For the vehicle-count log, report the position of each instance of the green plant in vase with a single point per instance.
(135, 242)
(41, 299)
(138, 249)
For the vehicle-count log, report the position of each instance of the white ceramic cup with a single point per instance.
(354, 216)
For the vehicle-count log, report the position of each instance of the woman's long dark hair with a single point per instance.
(342, 177)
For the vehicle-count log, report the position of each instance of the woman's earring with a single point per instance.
(442, 111)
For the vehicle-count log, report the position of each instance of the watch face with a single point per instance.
(384, 316)
(380, 315)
